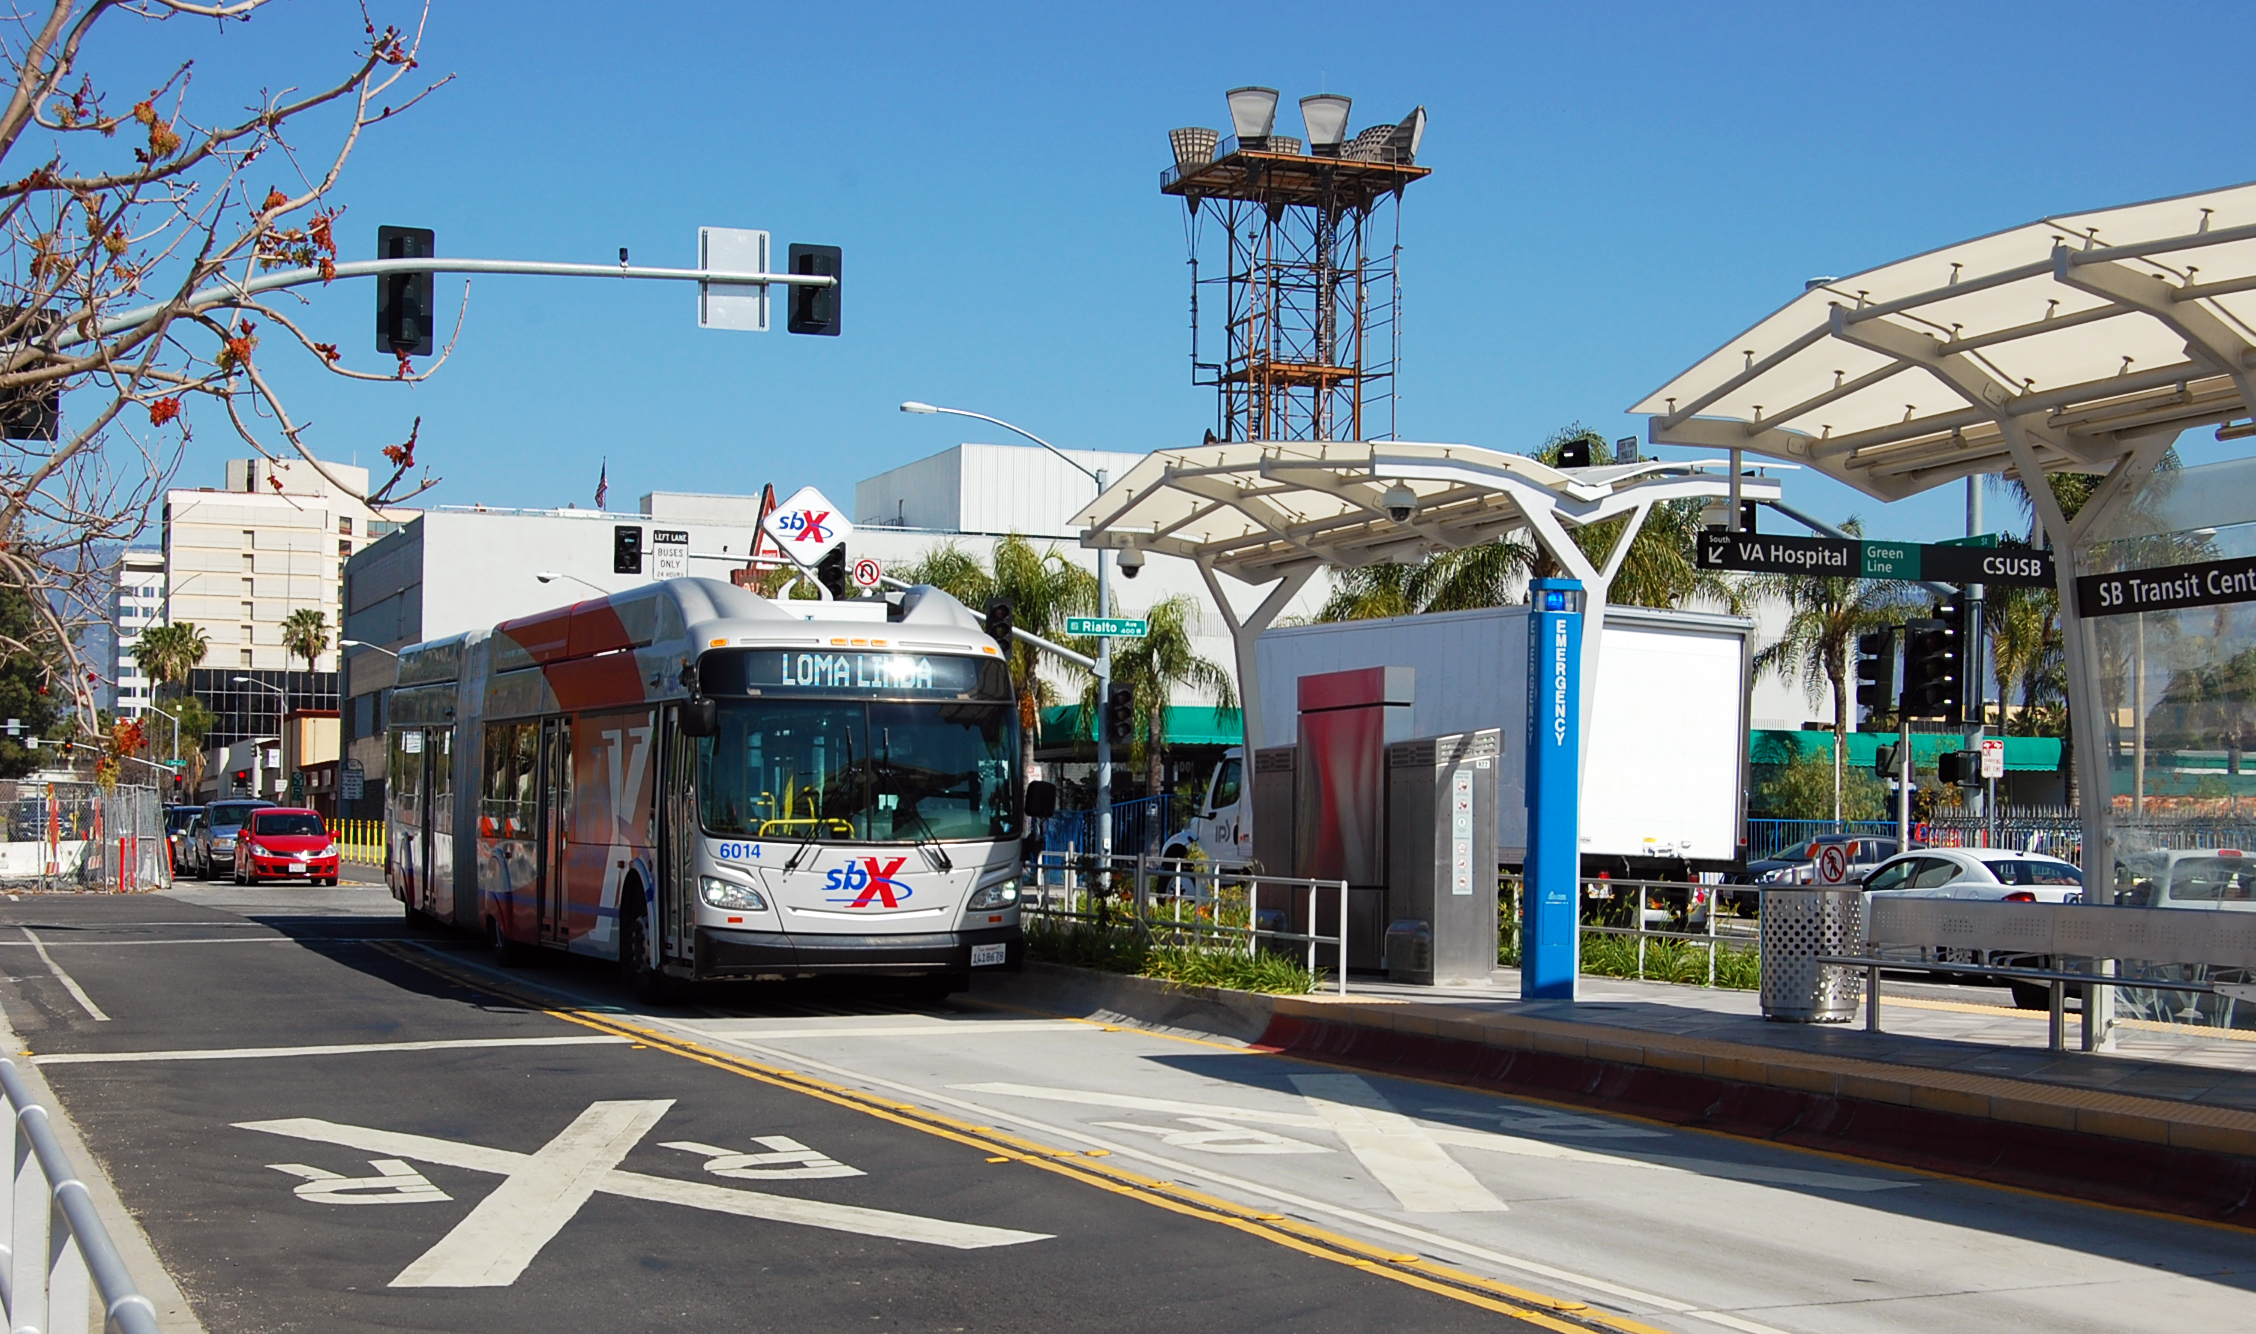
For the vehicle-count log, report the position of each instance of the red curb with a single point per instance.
(2212, 1187)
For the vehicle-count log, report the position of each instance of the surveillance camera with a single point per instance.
(1399, 502)
(1131, 562)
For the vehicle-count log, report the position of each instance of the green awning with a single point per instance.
(1187, 725)
(2030, 753)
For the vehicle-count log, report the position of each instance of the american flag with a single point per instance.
(602, 483)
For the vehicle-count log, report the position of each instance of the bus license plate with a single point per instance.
(983, 955)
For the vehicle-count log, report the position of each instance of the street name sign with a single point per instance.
(1115, 627)
(2208, 583)
(1844, 558)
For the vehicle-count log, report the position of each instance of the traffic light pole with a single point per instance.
(1104, 696)
(1906, 766)
(228, 290)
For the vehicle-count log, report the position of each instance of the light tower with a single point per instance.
(1311, 298)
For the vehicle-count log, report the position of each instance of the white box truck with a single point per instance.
(1665, 763)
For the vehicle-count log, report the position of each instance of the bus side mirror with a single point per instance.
(1041, 799)
(701, 717)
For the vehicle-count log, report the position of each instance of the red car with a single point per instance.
(281, 842)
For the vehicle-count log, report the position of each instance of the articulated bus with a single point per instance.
(702, 783)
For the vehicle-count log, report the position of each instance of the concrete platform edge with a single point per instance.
(2145, 1153)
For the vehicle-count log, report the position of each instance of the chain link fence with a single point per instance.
(78, 836)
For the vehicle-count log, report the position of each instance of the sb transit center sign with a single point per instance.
(1851, 558)
(2208, 583)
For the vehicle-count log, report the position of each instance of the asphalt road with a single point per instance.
(494, 1151)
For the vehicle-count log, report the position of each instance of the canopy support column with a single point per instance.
(1244, 633)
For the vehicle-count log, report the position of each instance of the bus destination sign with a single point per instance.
(766, 671)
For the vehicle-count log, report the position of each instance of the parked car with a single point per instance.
(1992, 874)
(1797, 865)
(178, 821)
(211, 839)
(283, 842)
(2207, 879)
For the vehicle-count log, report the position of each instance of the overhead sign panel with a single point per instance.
(732, 305)
(2208, 583)
(807, 526)
(1840, 558)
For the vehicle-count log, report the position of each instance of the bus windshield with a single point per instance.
(854, 770)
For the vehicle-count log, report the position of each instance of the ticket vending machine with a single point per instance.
(1441, 858)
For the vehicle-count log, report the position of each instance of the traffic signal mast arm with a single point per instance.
(228, 291)
(1078, 659)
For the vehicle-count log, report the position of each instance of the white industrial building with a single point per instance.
(136, 603)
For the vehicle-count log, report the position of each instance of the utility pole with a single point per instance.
(1104, 693)
(1976, 676)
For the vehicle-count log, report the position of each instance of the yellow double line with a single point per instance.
(1086, 1166)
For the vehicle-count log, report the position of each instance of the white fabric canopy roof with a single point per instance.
(2091, 333)
(1263, 509)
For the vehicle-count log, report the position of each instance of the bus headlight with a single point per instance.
(719, 893)
(1001, 894)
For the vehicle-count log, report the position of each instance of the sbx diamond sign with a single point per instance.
(807, 527)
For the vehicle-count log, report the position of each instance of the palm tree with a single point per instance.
(167, 653)
(1043, 588)
(1156, 666)
(305, 632)
(1825, 616)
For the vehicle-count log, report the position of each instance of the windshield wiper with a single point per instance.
(927, 842)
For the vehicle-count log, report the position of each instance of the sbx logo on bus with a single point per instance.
(869, 883)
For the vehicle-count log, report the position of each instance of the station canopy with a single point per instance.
(1265, 509)
(2093, 335)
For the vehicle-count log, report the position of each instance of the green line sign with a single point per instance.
(1838, 557)
(1113, 627)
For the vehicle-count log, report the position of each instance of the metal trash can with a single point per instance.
(1410, 951)
(1798, 925)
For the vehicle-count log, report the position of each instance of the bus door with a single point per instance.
(677, 839)
(555, 830)
(406, 848)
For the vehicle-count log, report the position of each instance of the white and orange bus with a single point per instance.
(701, 782)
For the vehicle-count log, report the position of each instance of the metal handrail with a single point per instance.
(1205, 877)
(49, 1253)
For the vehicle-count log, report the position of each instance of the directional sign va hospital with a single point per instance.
(1839, 557)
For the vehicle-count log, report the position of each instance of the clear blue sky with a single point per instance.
(1617, 189)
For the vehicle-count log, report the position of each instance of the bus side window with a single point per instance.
(497, 804)
(524, 772)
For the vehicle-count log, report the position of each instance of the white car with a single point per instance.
(1996, 874)
(2210, 879)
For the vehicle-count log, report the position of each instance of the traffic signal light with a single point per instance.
(1883, 761)
(1961, 767)
(1933, 675)
(1120, 714)
(831, 571)
(999, 622)
(403, 300)
(626, 549)
(33, 412)
(1876, 669)
(814, 310)
(243, 779)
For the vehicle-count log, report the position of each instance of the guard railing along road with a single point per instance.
(53, 1239)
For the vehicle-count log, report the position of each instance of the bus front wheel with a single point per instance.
(635, 969)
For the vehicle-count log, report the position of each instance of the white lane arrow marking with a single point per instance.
(665, 1190)
(492, 1246)
(1396, 1149)
(786, 1160)
(395, 1183)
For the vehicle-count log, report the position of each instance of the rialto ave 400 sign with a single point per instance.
(1848, 558)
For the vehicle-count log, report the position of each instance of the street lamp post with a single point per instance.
(1104, 608)
(550, 577)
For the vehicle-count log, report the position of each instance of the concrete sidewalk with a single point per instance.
(2166, 1122)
